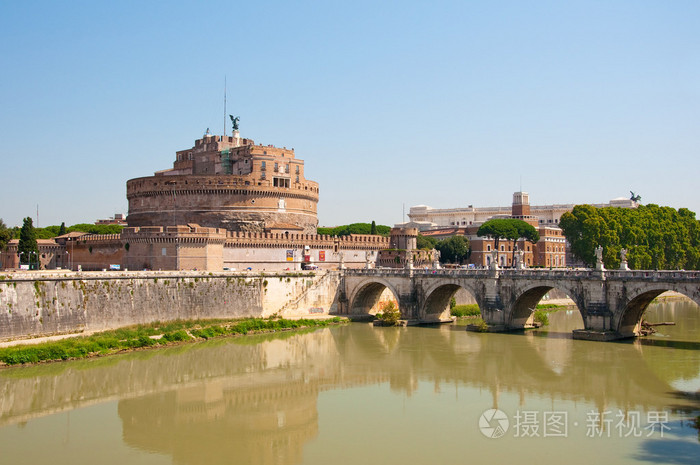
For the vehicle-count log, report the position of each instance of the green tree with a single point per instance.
(373, 228)
(5, 234)
(390, 313)
(654, 237)
(62, 229)
(454, 249)
(354, 228)
(425, 242)
(511, 229)
(498, 229)
(28, 248)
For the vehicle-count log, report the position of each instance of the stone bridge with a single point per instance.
(611, 302)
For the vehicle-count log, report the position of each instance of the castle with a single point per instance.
(228, 183)
(227, 203)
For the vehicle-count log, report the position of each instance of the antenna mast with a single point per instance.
(224, 105)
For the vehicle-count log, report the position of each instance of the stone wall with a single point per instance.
(221, 201)
(41, 304)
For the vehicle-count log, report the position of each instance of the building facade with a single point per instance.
(427, 218)
(550, 251)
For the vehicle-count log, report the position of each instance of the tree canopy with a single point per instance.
(425, 242)
(655, 237)
(453, 249)
(28, 248)
(5, 234)
(511, 229)
(52, 231)
(355, 228)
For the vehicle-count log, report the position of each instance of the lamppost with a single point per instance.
(20, 258)
(69, 267)
(30, 260)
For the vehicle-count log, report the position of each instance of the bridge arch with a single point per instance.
(525, 299)
(436, 305)
(631, 316)
(367, 296)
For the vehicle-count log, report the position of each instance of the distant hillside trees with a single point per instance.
(655, 237)
(52, 231)
(356, 228)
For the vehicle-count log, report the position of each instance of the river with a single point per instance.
(357, 394)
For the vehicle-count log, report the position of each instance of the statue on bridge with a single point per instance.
(623, 260)
(599, 259)
(520, 259)
(493, 264)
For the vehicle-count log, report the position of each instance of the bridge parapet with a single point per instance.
(655, 275)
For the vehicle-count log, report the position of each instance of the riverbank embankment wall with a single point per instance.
(43, 304)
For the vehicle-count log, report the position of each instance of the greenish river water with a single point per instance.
(356, 394)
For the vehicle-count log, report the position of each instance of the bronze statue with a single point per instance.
(635, 198)
(235, 121)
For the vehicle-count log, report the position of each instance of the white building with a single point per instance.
(426, 218)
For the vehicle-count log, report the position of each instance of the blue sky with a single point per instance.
(389, 103)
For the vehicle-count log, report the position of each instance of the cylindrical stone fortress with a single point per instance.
(230, 183)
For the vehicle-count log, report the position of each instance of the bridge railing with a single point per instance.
(535, 273)
(660, 275)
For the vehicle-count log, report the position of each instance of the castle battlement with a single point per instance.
(315, 241)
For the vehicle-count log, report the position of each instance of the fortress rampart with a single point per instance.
(221, 201)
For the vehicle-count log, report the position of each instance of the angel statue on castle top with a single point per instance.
(234, 121)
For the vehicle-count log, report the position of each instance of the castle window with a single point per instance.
(297, 178)
(297, 169)
(286, 168)
(262, 166)
(276, 167)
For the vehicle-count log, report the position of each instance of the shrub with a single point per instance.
(179, 335)
(465, 310)
(541, 317)
(480, 325)
(390, 313)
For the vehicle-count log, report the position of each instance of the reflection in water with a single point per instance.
(296, 398)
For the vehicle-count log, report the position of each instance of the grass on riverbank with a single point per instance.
(461, 311)
(151, 335)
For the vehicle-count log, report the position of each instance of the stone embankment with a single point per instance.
(45, 304)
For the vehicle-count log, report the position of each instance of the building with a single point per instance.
(549, 251)
(425, 218)
(402, 251)
(229, 183)
(227, 203)
(119, 219)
